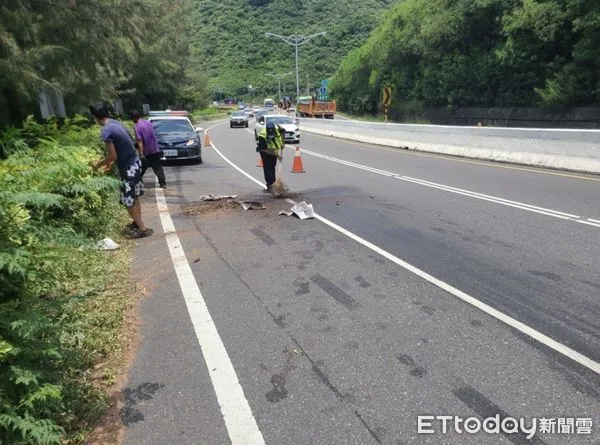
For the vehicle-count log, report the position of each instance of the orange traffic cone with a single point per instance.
(297, 167)
(206, 140)
(260, 162)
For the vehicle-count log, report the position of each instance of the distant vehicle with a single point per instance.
(269, 105)
(238, 119)
(292, 132)
(255, 110)
(307, 106)
(241, 105)
(249, 112)
(260, 113)
(176, 136)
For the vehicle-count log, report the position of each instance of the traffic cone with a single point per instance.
(297, 167)
(206, 140)
(260, 162)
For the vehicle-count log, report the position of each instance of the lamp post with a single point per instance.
(279, 77)
(296, 41)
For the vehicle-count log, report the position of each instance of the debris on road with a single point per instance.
(107, 244)
(252, 205)
(211, 197)
(302, 210)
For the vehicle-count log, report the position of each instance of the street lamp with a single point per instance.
(296, 41)
(279, 77)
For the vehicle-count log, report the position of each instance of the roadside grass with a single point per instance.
(210, 113)
(63, 301)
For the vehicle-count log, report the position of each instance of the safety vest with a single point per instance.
(274, 145)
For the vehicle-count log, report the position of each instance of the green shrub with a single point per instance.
(53, 208)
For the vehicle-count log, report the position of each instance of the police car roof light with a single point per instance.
(168, 113)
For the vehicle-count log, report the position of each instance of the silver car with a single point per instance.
(238, 119)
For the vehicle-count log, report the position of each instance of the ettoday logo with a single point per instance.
(506, 426)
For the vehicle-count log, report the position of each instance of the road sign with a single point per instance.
(387, 96)
(324, 83)
(323, 91)
(323, 98)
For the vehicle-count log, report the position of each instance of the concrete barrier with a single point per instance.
(565, 149)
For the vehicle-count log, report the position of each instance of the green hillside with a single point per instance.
(476, 53)
(228, 39)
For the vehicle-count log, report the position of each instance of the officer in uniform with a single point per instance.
(271, 142)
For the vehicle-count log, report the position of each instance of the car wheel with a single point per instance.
(230, 125)
(246, 124)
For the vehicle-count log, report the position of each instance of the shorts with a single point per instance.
(132, 185)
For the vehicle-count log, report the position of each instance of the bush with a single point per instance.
(53, 208)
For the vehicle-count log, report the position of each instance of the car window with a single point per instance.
(280, 120)
(172, 126)
(238, 114)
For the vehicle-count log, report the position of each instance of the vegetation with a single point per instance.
(61, 309)
(465, 53)
(228, 36)
(88, 51)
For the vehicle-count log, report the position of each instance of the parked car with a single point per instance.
(176, 136)
(238, 119)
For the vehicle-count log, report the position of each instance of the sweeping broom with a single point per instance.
(278, 186)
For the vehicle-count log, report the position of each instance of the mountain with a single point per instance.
(228, 41)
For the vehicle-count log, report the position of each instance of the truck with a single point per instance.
(307, 106)
(269, 104)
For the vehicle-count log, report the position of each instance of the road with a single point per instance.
(428, 286)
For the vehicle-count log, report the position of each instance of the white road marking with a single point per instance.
(498, 315)
(239, 420)
(471, 194)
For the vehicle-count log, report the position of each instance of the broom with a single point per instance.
(278, 186)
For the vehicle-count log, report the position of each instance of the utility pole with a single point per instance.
(279, 77)
(296, 41)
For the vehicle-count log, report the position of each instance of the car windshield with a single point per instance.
(280, 120)
(162, 126)
(238, 114)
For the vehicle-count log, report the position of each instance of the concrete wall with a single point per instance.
(513, 117)
(576, 150)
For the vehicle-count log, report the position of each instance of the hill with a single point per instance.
(483, 53)
(228, 41)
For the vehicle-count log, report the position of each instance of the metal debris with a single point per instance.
(252, 205)
(302, 210)
(211, 197)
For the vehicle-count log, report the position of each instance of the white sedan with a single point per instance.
(292, 132)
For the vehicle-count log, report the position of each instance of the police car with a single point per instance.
(176, 136)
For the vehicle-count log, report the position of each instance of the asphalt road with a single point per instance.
(332, 342)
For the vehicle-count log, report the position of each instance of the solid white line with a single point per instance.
(239, 420)
(458, 191)
(498, 315)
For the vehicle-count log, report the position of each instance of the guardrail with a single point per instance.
(567, 149)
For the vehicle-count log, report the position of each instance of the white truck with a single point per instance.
(269, 104)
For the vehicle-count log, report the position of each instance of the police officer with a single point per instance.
(270, 146)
